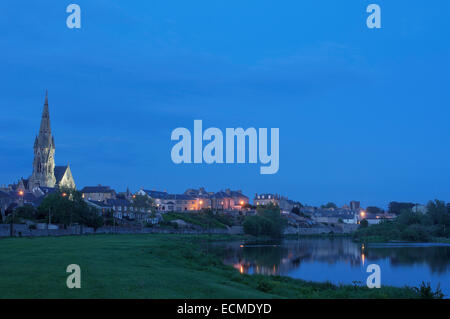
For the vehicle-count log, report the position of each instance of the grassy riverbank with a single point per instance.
(433, 225)
(399, 232)
(147, 266)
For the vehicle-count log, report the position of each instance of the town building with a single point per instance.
(374, 218)
(166, 202)
(229, 200)
(265, 199)
(197, 199)
(286, 205)
(98, 193)
(122, 209)
(355, 205)
(333, 217)
(419, 209)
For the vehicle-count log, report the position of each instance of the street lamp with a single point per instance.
(20, 193)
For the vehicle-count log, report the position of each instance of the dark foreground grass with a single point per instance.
(147, 266)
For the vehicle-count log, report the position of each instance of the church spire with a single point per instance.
(45, 120)
(44, 153)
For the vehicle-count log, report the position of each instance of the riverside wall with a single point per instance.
(23, 230)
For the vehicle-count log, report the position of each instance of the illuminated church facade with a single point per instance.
(45, 173)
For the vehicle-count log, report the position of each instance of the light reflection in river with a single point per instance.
(340, 260)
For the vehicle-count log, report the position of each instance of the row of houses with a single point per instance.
(190, 200)
(197, 199)
(105, 199)
(124, 210)
(346, 216)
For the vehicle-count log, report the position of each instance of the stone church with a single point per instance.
(45, 173)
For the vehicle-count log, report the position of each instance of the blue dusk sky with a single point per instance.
(363, 113)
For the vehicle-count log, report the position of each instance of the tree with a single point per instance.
(397, 207)
(437, 210)
(407, 217)
(267, 222)
(108, 218)
(415, 232)
(66, 206)
(91, 218)
(26, 212)
(142, 202)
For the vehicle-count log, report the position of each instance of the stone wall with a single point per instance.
(22, 230)
(338, 229)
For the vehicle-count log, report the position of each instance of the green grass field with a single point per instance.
(147, 266)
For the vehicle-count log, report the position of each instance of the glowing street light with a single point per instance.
(20, 193)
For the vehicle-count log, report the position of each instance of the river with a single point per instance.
(340, 260)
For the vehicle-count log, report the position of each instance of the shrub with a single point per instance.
(364, 223)
(268, 222)
(416, 232)
(407, 217)
(264, 286)
(426, 292)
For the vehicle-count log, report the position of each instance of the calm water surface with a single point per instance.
(342, 261)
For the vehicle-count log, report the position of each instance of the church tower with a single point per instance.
(44, 153)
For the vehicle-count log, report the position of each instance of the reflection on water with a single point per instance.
(342, 261)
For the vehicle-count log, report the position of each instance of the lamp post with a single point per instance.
(362, 215)
(114, 222)
(49, 220)
(20, 193)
